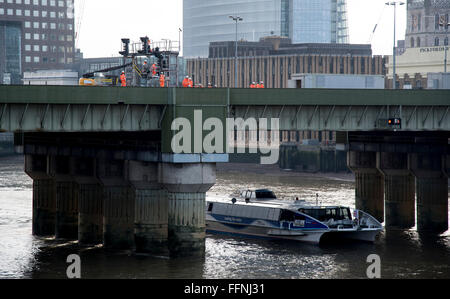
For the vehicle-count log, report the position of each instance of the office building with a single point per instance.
(279, 61)
(35, 35)
(303, 21)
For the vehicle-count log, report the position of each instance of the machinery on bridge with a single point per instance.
(161, 58)
(98, 78)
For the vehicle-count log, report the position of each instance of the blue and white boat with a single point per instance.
(258, 213)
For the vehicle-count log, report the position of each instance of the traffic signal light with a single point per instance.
(145, 46)
(126, 47)
(395, 122)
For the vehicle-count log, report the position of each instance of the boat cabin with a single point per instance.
(333, 216)
(261, 194)
(245, 211)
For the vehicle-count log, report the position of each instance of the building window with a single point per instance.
(418, 42)
(412, 42)
(436, 41)
(419, 22)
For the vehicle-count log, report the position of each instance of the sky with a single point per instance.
(105, 22)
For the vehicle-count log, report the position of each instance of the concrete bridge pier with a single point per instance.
(399, 186)
(118, 205)
(151, 208)
(431, 190)
(90, 196)
(44, 197)
(187, 185)
(66, 198)
(369, 185)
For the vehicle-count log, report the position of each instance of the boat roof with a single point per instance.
(280, 204)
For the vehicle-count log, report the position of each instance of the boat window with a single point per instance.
(210, 207)
(345, 214)
(265, 194)
(331, 213)
(290, 216)
(322, 215)
(287, 215)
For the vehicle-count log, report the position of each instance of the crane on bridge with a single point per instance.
(376, 26)
(100, 79)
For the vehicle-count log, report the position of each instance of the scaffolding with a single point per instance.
(164, 54)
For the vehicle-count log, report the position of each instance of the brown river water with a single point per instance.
(403, 253)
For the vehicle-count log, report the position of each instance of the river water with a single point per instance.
(404, 254)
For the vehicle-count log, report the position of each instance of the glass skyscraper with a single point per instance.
(304, 21)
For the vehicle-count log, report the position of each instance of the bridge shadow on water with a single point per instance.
(100, 263)
(403, 254)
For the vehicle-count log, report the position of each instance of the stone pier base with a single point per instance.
(369, 183)
(66, 210)
(432, 191)
(187, 224)
(187, 185)
(118, 217)
(90, 222)
(44, 207)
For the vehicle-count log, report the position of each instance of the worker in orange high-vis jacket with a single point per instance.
(185, 82)
(258, 85)
(253, 85)
(154, 70)
(162, 80)
(191, 83)
(123, 79)
(261, 85)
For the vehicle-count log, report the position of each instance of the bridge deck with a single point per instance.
(102, 109)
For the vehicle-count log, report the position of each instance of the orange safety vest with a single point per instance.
(258, 85)
(262, 85)
(191, 83)
(154, 69)
(252, 85)
(186, 82)
(162, 81)
(123, 80)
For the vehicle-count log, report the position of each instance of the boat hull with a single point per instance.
(367, 235)
(308, 236)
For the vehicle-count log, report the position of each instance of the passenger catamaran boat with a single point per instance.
(258, 213)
